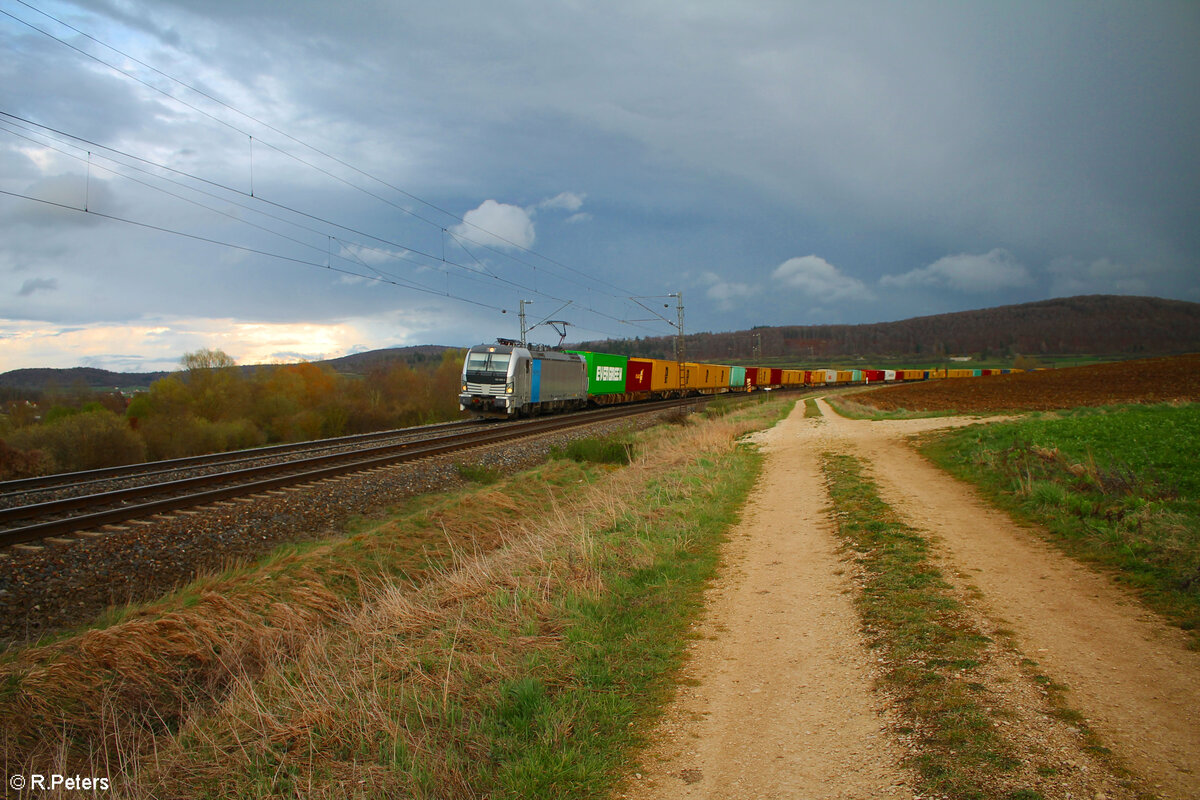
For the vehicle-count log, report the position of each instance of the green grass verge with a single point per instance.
(477, 473)
(930, 649)
(614, 449)
(557, 733)
(1118, 486)
(811, 409)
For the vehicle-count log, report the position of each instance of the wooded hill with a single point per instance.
(40, 379)
(1093, 324)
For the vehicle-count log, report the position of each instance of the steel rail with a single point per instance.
(254, 483)
(144, 469)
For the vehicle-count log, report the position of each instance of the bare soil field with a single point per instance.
(1156, 380)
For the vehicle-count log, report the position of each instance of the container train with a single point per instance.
(509, 379)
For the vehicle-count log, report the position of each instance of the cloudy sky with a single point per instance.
(307, 179)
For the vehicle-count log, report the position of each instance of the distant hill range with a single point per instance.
(1093, 324)
(66, 379)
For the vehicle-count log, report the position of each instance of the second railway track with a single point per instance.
(74, 483)
(30, 523)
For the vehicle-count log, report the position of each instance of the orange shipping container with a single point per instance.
(674, 374)
(664, 376)
(706, 376)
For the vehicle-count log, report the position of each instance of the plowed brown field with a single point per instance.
(1154, 380)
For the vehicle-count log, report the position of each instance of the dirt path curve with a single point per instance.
(1128, 673)
(777, 700)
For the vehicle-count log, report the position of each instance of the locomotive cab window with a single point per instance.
(488, 362)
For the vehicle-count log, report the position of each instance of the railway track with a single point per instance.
(25, 490)
(88, 513)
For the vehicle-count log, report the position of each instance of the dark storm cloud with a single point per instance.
(774, 160)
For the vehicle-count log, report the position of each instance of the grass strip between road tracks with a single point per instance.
(929, 648)
(1118, 486)
(505, 641)
(981, 719)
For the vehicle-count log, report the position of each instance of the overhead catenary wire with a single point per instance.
(623, 292)
(234, 246)
(411, 284)
(470, 273)
(407, 252)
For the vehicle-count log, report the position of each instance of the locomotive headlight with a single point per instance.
(508, 388)
(464, 387)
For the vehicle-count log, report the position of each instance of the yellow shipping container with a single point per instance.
(845, 376)
(706, 376)
(664, 375)
(692, 375)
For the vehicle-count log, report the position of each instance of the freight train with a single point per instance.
(509, 379)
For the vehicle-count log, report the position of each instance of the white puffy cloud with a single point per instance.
(370, 255)
(498, 225)
(725, 293)
(568, 201)
(966, 272)
(1070, 276)
(820, 279)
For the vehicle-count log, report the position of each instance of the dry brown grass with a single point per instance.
(275, 668)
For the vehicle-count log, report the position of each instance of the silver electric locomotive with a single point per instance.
(507, 379)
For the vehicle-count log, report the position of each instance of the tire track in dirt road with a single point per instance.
(778, 697)
(1130, 674)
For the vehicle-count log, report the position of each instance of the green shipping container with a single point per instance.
(737, 377)
(606, 373)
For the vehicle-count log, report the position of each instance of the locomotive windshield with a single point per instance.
(488, 362)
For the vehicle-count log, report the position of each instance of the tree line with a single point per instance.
(211, 405)
(1073, 325)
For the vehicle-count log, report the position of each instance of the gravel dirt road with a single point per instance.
(778, 698)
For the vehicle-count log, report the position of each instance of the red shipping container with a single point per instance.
(873, 375)
(776, 377)
(637, 376)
